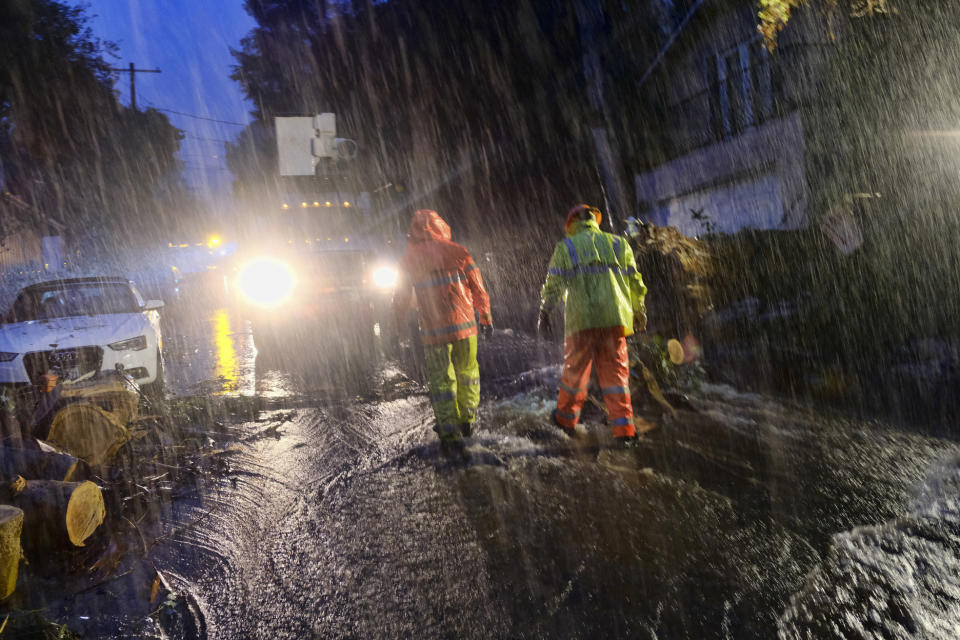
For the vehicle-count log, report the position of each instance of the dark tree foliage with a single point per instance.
(886, 125)
(881, 135)
(67, 146)
(889, 102)
(479, 105)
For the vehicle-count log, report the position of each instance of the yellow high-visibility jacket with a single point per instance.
(595, 273)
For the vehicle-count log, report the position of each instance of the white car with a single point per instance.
(79, 327)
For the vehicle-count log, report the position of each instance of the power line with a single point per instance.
(190, 115)
(668, 44)
(190, 135)
(198, 167)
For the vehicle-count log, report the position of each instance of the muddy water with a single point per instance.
(740, 518)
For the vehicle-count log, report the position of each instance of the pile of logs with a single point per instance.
(56, 508)
(47, 500)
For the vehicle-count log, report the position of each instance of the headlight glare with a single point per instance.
(133, 344)
(266, 282)
(385, 277)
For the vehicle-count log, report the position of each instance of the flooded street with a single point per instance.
(479, 319)
(739, 517)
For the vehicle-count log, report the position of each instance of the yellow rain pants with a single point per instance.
(454, 377)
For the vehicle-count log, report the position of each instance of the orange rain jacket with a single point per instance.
(446, 281)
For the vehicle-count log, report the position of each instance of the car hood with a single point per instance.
(77, 331)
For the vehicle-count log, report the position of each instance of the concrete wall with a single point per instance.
(755, 180)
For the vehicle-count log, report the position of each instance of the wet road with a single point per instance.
(740, 518)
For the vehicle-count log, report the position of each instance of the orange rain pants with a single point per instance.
(607, 347)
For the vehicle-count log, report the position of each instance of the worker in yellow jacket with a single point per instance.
(595, 275)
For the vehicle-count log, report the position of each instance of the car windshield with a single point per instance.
(78, 299)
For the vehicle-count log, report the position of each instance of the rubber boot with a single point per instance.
(571, 433)
(453, 449)
(466, 428)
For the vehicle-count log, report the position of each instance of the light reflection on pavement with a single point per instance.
(213, 351)
(214, 354)
(226, 354)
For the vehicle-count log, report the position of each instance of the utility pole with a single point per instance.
(590, 18)
(133, 71)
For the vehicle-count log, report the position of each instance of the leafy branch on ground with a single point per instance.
(652, 351)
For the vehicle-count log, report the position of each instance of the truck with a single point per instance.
(317, 265)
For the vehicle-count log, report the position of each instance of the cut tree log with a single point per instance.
(87, 432)
(114, 394)
(34, 463)
(11, 524)
(56, 513)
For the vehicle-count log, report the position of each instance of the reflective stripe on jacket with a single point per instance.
(595, 273)
(445, 279)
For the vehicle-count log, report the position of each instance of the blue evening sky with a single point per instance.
(190, 41)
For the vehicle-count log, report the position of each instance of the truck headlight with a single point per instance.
(6, 356)
(385, 277)
(266, 282)
(133, 344)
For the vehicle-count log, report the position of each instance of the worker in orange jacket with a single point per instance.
(594, 275)
(449, 292)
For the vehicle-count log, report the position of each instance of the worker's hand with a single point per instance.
(544, 324)
(640, 322)
(486, 331)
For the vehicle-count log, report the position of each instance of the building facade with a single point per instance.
(732, 124)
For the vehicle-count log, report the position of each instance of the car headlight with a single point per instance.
(266, 282)
(385, 277)
(6, 356)
(133, 344)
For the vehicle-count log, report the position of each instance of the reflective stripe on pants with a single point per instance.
(607, 349)
(454, 378)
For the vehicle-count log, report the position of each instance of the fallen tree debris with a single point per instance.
(42, 465)
(680, 269)
(56, 513)
(11, 525)
(114, 395)
(88, 432)
(653, 387)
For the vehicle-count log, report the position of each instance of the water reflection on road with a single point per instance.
(209, 352)
(227, 364)
(214, 351)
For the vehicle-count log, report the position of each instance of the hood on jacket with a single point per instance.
(428, 225)
(575, 224)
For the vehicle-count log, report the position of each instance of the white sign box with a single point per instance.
(295, 146)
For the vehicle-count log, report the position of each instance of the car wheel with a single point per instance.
(155, 389)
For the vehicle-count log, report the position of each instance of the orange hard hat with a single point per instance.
(575, 214)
